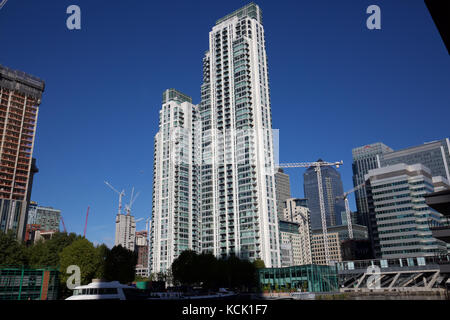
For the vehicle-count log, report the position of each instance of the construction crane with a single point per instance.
(2, 3)
(85, 224)
(317, 165)
(347, 208)
(139, 220)
(64, 226)
(121, 194)
(129, 205)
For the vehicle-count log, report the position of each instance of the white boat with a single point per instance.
(222, 294)
(102, 290)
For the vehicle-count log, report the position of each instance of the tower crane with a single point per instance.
(347, 208)
(132, 199)
(2, 3)
(317, 165)
(121, 194)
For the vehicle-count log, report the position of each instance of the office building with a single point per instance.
(440, 201)
(433, 155)
(341, 242)
(332, 190)
(296, 211)
(294, 244)
(365, 158)
(283, 190)
(318, 248)
(125, 231)
(400, 217)
(20, 97)
(47, 218)
(175, 225)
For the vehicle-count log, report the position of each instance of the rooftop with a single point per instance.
(251, 10)
(22, 82)
(175, 95)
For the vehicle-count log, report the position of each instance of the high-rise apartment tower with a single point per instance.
(20, 97)
(238, 204)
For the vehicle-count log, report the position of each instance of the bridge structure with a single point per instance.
(399, 274)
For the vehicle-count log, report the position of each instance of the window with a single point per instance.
(421, 261)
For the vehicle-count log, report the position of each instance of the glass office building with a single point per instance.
(310, 278)
(434, 155)
(332, 188)
(365, 158)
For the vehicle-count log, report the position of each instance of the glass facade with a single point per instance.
(397, 205)
(22, 283)
(310, 278)
(434, 155)
(47, 217)
(332, 188)
(365, 158)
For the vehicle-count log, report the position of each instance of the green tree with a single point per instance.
(103, 252)
(120, 265)
(205, 270)
(191, 268)
(259, 264)
(46, 253)
(183, 268)
(12, 252)
(83, 254)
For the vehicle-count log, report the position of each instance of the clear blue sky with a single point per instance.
(335, 85)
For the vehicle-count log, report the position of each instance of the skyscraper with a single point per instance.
(175, 216)
(400, 217)
(332, 189)
(20, 97)
(238, 207)
(125, 231)
(283, 190)
(433, 155)
(365, 158)
(214, 185)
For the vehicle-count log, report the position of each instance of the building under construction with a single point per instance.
(20, 97)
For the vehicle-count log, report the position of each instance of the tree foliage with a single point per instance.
(12, 252)
(120, 264)
(206, 270)
(47, 252)
(83, 254)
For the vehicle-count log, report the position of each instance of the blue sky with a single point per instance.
(335, 85)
